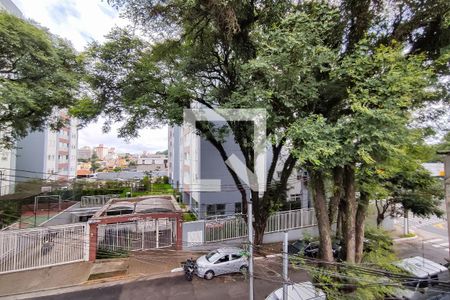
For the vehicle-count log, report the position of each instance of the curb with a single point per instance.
(404, 239)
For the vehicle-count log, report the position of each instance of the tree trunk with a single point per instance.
(333, 206)
(323, 223)
(259, 228)
(363, 204)
(348, 224)
(339, 220)
(380, 219)
(381, 211)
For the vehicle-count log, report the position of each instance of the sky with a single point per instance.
(83, 21)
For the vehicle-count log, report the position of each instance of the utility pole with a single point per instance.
(405, 222)
(285, 266)
(447, 187)
(250, 247)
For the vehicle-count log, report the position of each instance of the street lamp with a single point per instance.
(447, 188)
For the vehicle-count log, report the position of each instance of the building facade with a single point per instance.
(7, 171)
(10, 7)
(84, 153)
(101, 151)
(152, 162)
(48, 154)
(192, 158)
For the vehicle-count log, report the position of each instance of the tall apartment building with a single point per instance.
(48, 154)
(10, 7)
(101, 151)
(7, 170)
(8, 156)
(191, 157)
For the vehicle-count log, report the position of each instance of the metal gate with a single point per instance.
(137, 235)
(43, 246)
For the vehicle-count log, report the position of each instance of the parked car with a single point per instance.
(311, 249)
(222, 261)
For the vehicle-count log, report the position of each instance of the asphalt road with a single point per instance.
(177, 288)
(432, 241)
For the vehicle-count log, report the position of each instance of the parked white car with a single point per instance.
(222, 261)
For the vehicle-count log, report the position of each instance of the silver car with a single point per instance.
(222, 261)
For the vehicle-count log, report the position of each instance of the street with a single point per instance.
(431, 242)
(267, 278)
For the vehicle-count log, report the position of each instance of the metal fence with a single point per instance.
(137, 235)
(41, 247)
(97, 200)
(236, 227)
(292, 219)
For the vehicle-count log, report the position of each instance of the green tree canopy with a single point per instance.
(39, 73)
(339, 81)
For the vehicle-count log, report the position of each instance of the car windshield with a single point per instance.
(212, 256)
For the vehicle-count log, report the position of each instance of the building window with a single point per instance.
(238, 207)
(215, 209)
(220, 209)
(210, 209)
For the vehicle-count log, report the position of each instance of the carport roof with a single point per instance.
(140, 205)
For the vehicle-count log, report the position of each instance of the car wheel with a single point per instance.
(244, 270)
(209, 275)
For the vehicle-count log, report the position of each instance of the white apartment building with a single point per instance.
(191, 157)
(7, 171)
(10, 7)
(48, 154)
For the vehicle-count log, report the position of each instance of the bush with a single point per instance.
(189, 216)
(104, 253)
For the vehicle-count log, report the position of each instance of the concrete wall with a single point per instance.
(44, 278)
(31, 156)
(64, 217)
(275, 237)
(294, 234)
(193, 233)
(127, 175)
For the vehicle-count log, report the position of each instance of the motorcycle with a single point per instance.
(189, 269)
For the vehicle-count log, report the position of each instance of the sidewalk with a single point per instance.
(422, 245)
(89, 285)
(139, 264)
(173, 286)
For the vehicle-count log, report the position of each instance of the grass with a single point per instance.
(408, 235)
(189, 216)
(156, 189)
